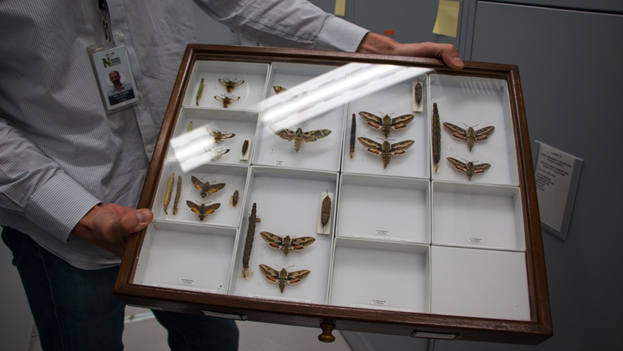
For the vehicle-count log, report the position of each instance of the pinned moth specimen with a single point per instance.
(248, 244)
(234, 199)
(469, 168)
(202, 210)
(353, 136)
(436, 139)
(218, 135)
(386, 123)
(216, 152)
(386, 150)
(286, 244)
(227, 99)
(200, 92)
(206, 188)
(470, 136)
(230, 84)
(300, 137)
(325, 210)
(178, 192)
(283, 277)
(167, 195)
(245, 149)
(279, 89)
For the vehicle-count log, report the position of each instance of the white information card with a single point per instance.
(557, 175)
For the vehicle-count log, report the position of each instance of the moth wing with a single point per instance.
(223, 81)
(297, 277)
(481, 168)
(273, 240)
(286, 134)
(238, 82)
(460, 166)
(216, 187)
(373, 146)
(272, 275)
(228, 135)
(372, 120)
(483, 134)
(212, 132)
(400, 147)
(197, 183)
(193, 206)
(279, 89)
(234, 98)
(219, 98)
(456, 131)
(298, 244)
(314, 135)
(401, 122)
(212, 208)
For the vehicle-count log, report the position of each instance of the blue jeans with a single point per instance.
(75, 309)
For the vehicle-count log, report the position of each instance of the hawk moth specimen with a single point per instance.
(230, 84)
(386, 150)
(234, 199)
(227, 99)
(469, 168)
(200, 92)
(206, 188)
(436, 147)
(470, 136)
(248, 244)
(202, 210)
(286, 244)
(283, 277)
(386, 124)
(300, 137)
(216, 152)
(218, 135)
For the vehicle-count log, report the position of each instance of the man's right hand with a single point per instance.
(108, 226)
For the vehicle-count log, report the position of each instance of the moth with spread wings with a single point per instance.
(470, 136)
(283, 277)
(202, 210)
(230, 84)
(300, 137)
(469, 168)
(227, 99)
(285, 243)
(206, 188)
(386, 150)
(386, 123)
(218, 135)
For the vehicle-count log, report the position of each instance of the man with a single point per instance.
(120, 92)
(71, 173)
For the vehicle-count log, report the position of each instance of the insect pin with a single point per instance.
(285, 243)
(469, 168)
(202, 210)
(227, 99)
(283, 277)
(301, 137)
(470, 136)
(218, 135)
(206, 189)
(386, 150)
(230, 84)
(386, 124)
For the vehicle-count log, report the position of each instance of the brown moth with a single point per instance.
(206, 188)
(386, 150)
(325, 211)
(470, 136)
(218, 135)
(216, 152)
(235, 198)
(386, 123)
(469, 168)
(227, 99)
(202, 210)
(248, 244)
(230, 84)
(283, 277)
(285, 243)
(300, 137)
(279, 89)
(436, 139)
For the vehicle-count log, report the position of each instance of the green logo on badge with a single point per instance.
(106, 62)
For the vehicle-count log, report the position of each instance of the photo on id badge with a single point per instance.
(116, 83)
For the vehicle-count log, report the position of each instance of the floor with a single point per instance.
(253, 336)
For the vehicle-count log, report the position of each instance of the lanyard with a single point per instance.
(103, 6)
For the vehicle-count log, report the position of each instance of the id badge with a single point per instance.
(114, 77)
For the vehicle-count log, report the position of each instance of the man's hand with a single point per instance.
(373, 43)
(108, 226)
